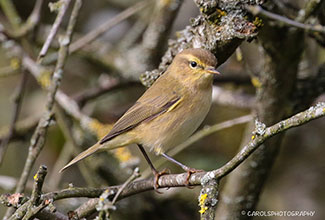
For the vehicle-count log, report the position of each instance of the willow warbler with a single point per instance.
(168, 112)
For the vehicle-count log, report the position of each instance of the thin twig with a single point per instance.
(105, 204)
(36, 145)
(309, 9)
(258, 10)
(301, 118)
(109, 85)
(69, 105)
(16, 109)
(134, 175)
(55, 27)
(22, 127)
(31, 22)
(131, 65)
(35, 204)
(81, 42)
(30, 207)
(11, 13)
(38, 184)
(135, 32)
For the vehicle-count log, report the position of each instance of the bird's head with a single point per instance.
(194, 64)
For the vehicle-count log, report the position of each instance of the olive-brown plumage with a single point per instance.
(169, 111)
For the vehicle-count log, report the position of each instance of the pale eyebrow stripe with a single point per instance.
(190, 57)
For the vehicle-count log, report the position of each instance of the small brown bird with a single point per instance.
(168, 112)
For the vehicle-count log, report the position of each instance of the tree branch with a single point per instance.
(64, 4)
(258, 10)
(16, 110)
(30, 23)
(92, 35)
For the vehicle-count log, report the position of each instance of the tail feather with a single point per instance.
(83, 155)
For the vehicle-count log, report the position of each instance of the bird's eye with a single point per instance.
(193, 64)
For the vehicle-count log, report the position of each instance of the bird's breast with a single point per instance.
(175, 126)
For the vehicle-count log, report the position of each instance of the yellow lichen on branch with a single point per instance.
(45, 79)
(256, 82)
(258, 22)
(15, 63)
(202, 200)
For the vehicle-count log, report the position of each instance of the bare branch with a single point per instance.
(22, 127)
(81, 42)
(35, 147)
(258, 10)
(11, 13)
(31, 22)
(134, 175)
(105, 204)
(309, 9)
(16, 110)
(109, 85)
(38, 184)
(55, 27)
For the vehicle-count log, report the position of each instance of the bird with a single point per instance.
(167, 113)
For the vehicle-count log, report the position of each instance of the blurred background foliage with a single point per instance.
(296, 181)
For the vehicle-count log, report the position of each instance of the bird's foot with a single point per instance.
(157, 176)
(190, 171)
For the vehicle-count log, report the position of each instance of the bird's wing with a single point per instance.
(146, 108)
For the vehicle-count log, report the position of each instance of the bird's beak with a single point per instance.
(212, 70)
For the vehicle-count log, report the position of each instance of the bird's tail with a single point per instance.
(83, 155)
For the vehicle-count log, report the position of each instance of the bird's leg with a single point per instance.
(189, 170)
(156, 173)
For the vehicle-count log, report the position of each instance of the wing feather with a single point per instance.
(143, 110)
